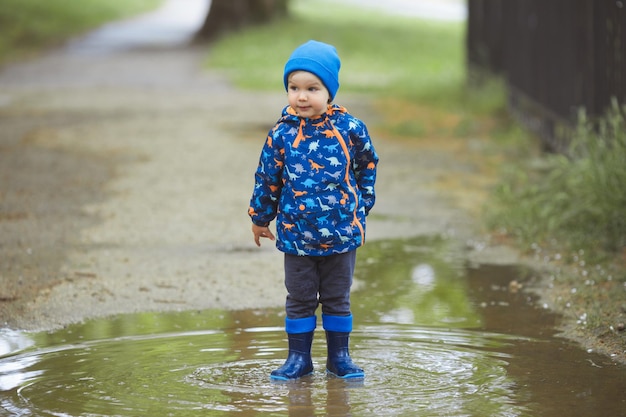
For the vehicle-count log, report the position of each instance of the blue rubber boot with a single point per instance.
(299, 363)
(339, 363)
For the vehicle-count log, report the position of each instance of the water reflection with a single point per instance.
(11, 372)
(12, 341)
(434, 338)
(419, 281)
(226, 371)
(408, 369)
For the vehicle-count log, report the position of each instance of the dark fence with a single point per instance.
(557, 56)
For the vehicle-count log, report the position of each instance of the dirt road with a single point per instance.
(125, 178)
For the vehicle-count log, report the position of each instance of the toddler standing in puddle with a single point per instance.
(315, 177)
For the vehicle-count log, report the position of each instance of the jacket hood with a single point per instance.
(289, 114)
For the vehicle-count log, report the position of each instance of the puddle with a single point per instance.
(434, 337)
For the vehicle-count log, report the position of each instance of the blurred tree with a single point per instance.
(230, 15)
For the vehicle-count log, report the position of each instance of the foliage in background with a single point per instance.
(415, 67)
(569, 212)
(27, 26)
(575, 201)
(380, 54)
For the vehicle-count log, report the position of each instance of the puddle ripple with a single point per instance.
(436, 338)
(412, 369)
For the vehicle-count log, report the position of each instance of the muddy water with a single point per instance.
(436, 338)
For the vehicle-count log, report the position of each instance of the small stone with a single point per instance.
(514, 286)
(620, 327)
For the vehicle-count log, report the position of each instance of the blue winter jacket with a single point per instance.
(316, 178)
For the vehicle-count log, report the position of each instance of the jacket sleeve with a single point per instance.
(268, 181)
(364, 164)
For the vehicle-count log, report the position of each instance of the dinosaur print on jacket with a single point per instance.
(316, 178)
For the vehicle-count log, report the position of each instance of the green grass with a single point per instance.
(572, 202)
(568, 212)
(391, 56)
(27, 26)
(408, 65)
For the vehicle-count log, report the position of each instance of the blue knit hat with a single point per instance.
(318, 58)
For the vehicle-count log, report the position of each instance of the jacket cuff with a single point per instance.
(261, 224)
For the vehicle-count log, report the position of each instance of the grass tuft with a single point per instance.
(574, 201)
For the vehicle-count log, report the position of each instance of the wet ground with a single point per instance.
(435, 338)
(125, 174)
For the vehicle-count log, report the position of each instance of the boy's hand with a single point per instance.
(259, 232)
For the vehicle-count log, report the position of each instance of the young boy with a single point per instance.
(316, 176)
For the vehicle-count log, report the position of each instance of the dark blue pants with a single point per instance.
(314, 280)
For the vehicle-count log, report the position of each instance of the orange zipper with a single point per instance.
(347, 179)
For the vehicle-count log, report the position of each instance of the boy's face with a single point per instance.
(306, 94)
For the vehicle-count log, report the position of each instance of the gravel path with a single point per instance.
(125, 178)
